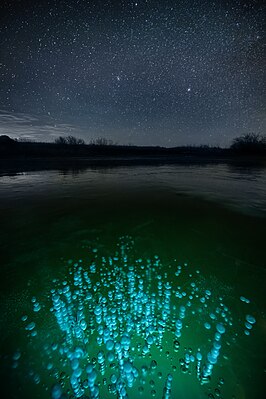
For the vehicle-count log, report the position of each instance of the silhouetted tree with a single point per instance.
(249, 143)
(102, 141)
(25, 140)
(60, 140)
(69, 140)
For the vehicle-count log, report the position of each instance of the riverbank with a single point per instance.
(24, 164)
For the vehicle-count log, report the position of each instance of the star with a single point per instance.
(147, 63)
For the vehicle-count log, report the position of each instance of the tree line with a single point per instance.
(248, 143)
(71, 140)
(251, 143)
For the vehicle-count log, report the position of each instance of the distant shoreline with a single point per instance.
(23, 164)
(18, 156)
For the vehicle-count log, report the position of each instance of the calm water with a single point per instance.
(208, 222)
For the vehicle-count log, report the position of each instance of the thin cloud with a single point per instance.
(25, 126)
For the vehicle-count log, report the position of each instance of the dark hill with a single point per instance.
(6, 141)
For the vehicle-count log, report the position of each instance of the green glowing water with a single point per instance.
(212, 218)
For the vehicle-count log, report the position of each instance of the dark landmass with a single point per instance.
(22, 156)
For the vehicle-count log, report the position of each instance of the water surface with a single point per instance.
(210, 218)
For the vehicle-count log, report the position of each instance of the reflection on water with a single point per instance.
(241, 187)
(198, 235)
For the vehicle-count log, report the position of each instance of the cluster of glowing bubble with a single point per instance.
(113, 312)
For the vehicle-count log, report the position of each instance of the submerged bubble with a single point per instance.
(30, 326)
(113, 312)
(250, 319)
(243, 299)
(220, 328)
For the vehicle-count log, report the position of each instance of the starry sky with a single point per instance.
(142, 72)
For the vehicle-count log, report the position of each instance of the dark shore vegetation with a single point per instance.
(65, 149)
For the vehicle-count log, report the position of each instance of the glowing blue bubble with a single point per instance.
(97, 310)
(15, 365)
(49, 366)
(30, 326)
(127, 367)
(243, 299)
(217, 336)
(145, 350)
(56, 391)
(100, 330)
(150, 340)
(250, 319)
(118, 347)
(77, 372)
(79, 352)
(56, 298)
(125, 341)
(101, 358)
(36, 307)
(215, 352)
(83, 324)
(73, 380)
(199, 356)
(211, 359)
(110, 345)
(75, 364)
(110, 357)
(248, 325)
(92, 376)
(217, 345)
(89, 368)
(220, 328)
(178, 324)
(17, 355)
(207, 326)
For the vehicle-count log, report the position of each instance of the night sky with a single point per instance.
(142, 72)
